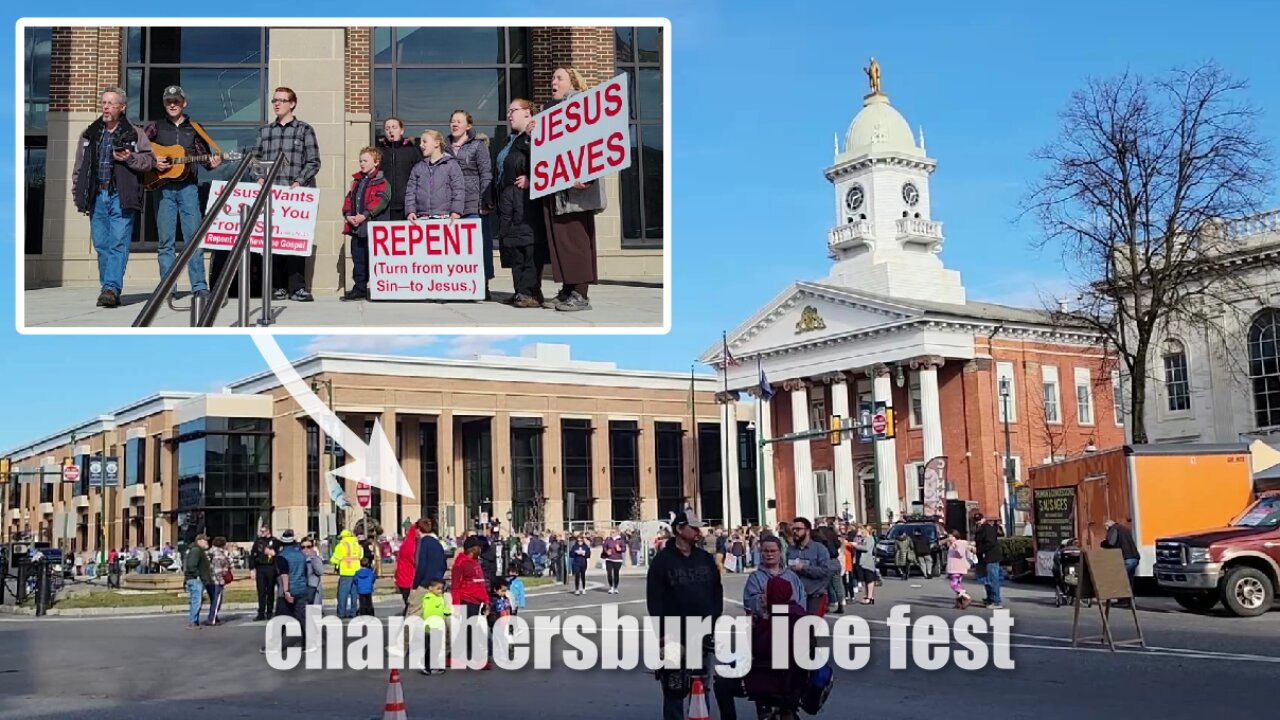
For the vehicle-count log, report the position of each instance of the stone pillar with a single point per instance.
(390, 518)
(553, 472)
(450, 498)
(930, 407)
(648, 471)
(764, 421)
(731, 490)
(845, 480)
(806, 492)
(412, 466)
(601, 491)
(502, 472)
(886, 451)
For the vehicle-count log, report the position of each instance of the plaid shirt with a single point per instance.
(301, 152)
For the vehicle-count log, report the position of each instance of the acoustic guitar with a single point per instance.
(178, 163)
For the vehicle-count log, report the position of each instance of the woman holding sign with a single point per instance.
(521, 232)
(570, 219)
(436, 186)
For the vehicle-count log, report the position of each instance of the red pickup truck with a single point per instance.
(1238, 565)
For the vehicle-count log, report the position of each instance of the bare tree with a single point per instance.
(1141, 184)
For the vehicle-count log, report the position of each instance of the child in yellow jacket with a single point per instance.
(434, 606)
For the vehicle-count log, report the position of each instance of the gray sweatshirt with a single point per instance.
(754, 592)
(816, 575)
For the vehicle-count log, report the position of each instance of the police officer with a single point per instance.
(262, 569)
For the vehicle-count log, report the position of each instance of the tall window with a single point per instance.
(710, 483)
(818, 407)
(35, 96)
(1084, 397)
(638, 53)
(222, 71)
(669, 445)
(748, 474)
(135, 461)
(224, 477)
(1052, 396)
(477, 468)
(1004, 376)
(429, 491)
(423, 74)
(157, 458)
(575, 463)
(624, 468)
(1177, 385)
(916, 404)
(49, 474)
(313, 478)
(1117, 398)
(1264, 367)
(526, 470)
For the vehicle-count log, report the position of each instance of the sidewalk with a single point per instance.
(613, 306)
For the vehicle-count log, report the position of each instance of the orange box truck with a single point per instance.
(1156, 490)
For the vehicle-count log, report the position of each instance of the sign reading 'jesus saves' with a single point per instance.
(583, 138)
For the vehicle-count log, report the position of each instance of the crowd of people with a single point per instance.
(454, 176)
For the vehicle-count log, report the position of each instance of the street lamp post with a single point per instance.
(1008, 455)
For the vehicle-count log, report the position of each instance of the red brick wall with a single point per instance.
(784, 467)
(590, 50)
(358, 78)
(82, 63)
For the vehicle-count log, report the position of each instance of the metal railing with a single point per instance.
(205, 314)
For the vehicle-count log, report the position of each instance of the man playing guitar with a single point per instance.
(180, 196)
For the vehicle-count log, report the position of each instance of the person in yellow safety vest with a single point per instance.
(346, 558)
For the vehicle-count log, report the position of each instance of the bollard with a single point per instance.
(42, 587)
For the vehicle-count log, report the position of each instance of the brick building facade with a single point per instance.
(347, 80)
(892, 325)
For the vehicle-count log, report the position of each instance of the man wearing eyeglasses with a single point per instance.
(179, 197)
(302, 162)
(106, 184)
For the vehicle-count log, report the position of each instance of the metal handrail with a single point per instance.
(239, 250)
(149, 309)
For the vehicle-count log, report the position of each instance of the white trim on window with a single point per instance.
(1052, 394)
(1005, 370)
(818, 419)
(1084, 397)
(914, 402)
(1118, 404)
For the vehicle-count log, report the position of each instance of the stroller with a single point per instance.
(1066, 572)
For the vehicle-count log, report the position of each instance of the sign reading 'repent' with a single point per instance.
(582, 138)
(437, 259)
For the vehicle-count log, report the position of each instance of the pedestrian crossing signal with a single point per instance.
(835, 430)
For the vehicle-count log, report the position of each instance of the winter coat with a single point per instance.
(373, 205)
(435, 188)
(520, 221)
(905, 551)
(477, 170)
(126, 177)
(574, 200)
(398, 161)
(407, 559)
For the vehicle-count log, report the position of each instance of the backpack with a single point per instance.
(818, 690)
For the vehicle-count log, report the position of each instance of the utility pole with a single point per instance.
(1005, 391)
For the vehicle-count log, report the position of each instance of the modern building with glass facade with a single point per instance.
(348, 80)
(555, 442)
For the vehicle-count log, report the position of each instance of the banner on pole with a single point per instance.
(585, 137)
(293, 218)
(439, 259)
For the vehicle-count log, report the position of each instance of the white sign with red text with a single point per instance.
(583, 138)
(426, 260)
(293, 218)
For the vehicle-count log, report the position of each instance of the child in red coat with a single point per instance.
(367, 201)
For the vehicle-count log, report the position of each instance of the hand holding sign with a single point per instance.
(585, 137)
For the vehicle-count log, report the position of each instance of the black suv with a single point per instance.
(886, 548)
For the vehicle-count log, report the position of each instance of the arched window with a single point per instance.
(867, 477)
(1264, 367)
(1177, 384)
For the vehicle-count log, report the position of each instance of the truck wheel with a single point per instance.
(1197, 602)
(1247, 592)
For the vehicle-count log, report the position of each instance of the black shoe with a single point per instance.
(301, 295)
(259, 618)
(355, 295)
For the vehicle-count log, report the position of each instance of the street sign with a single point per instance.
(95, 473)
(70, 473)
(364, 494)
(878, 425)
(112, 466)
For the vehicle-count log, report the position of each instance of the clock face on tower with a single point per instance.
(910, 194)
(853, 198)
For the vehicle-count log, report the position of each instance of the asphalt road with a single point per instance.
(150, 667)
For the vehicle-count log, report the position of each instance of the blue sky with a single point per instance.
(758, 90)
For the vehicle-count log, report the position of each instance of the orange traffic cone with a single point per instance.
(395, 699)
(698, 702)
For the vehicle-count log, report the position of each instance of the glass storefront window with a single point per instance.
(638, 53)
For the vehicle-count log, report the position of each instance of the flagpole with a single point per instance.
(760, 515)
(730, 425)
(696, 499)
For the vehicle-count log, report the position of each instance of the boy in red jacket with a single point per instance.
(469, 588)
(368, 200)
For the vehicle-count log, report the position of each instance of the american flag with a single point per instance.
(729, 359)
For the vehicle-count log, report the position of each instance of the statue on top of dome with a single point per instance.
(873, 75)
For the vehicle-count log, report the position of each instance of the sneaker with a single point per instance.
(995, 606)
(280, 294)
(301, 295)
(573, 303)
(437, 671)
(554, 302)
(425, 671)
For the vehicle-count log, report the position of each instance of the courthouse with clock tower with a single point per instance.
(891, 323)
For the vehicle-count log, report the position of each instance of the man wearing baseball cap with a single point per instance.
(179, 201)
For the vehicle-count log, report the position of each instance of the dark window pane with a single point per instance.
(226, 46)
(649, 44)
(382, 46)
(133, 45)
(519, 80)
(34, 206)
(449, 45)
(519, 39)
(650, 94)
(229, 95)
(38, 41)
(133, 88)
(651, 163)
(383, 98)
(623, 42)
(433, 95)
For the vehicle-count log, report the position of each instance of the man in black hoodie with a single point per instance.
(684, 582)
(399, 155)
(990, 555)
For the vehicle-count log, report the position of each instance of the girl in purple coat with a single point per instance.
(436, 187)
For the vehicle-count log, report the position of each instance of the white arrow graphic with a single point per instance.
(374, 463)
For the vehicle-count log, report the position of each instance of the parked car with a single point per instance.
(933, 531)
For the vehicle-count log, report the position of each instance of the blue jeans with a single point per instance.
(348, 600)
(195, 598)
(993, 582)
(112, 230)
(184, 202)
(215, 602)
(1131, 568)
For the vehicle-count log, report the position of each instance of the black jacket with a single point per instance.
(165, 132)
(520, 222)
(126, 181)
(686, 587)
(988, 544)
(398, 160)
(258, 555)
(1119, 536)
(489, 560)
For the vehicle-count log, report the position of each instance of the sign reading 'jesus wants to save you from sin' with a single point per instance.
(585, 137)
(437, 259)
(293, 218)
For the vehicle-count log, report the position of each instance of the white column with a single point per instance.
(930, 409)
(844, 451)
(806, 494)
(765, 424)
(731, 494)
(886, 452)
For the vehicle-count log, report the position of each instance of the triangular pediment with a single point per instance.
(808, 313)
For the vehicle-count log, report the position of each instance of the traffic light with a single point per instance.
(835, 430)
(888, 423)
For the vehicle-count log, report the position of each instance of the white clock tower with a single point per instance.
(885, 240)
